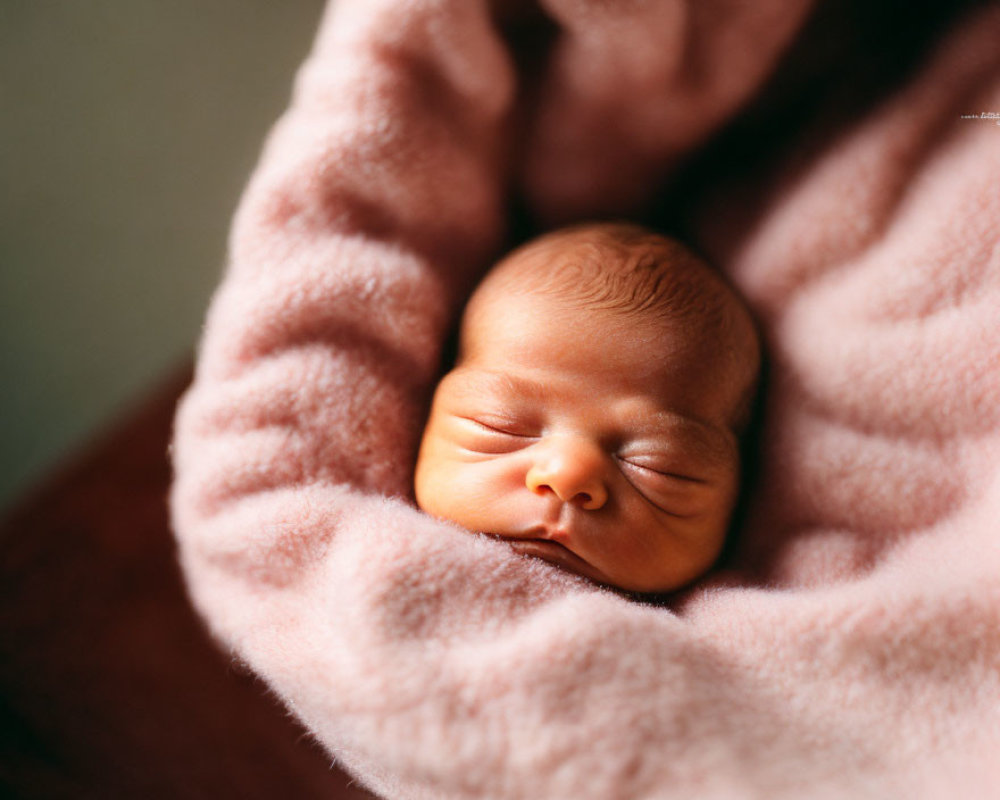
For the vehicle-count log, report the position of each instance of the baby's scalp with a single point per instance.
(610, 266)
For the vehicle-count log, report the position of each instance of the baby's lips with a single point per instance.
(548, 550)
(538, 542)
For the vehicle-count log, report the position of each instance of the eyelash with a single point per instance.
(672, 475)
(488, 428)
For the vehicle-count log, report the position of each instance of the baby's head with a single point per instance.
(593, 418)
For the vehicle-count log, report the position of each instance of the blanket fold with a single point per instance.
(853, 647)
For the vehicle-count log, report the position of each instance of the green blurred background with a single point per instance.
(127, 131)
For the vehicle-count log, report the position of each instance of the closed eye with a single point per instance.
(490, 425)
(676, 494)
(660, 472)
(489, 435)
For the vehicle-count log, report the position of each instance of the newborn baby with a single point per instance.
(593, 419)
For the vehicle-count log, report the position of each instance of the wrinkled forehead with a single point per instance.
(585, 337)
(620, 307)
(618, 268)
(582, 283)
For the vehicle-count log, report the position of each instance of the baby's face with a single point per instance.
(599, 444)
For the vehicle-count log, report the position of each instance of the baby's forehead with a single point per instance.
(594, 283)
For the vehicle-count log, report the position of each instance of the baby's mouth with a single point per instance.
(548, 550)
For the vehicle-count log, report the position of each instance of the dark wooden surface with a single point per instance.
(109, 684)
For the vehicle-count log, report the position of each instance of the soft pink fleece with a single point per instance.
(854, 648)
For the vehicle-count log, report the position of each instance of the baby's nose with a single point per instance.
(571, 468)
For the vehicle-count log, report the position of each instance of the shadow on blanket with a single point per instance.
(109, 686)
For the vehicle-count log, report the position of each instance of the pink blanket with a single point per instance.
(852, 647)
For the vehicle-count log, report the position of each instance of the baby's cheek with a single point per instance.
(435, 483)
(495, 496)
(648, 550)
(692, 548)
(476, 495)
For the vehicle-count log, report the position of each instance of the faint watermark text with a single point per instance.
(990, 115)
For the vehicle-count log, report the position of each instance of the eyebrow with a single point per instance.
(476, 381)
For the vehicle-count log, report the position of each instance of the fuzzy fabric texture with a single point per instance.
(851, 647)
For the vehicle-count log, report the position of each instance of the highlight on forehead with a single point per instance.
(615, 267)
